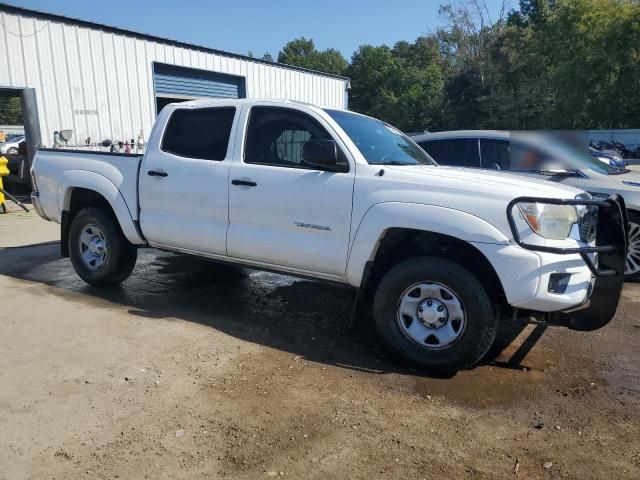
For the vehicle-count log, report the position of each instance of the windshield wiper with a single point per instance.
(550, 173)
(395, 162)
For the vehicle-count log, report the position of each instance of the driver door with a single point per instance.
(281, 211)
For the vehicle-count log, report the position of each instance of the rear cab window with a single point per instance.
(458, 152)
(200, 133)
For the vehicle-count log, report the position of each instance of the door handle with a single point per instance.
(246, 183)
(155, 173)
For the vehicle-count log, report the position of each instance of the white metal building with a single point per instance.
(107, 83)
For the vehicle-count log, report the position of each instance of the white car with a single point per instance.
(12, 145)
(440, 254)
(491, 150)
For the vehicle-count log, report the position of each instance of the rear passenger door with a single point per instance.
(457, 152)
(184, 184)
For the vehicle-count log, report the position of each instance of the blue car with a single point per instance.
(608, 158)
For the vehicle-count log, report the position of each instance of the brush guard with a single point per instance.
(611, 247)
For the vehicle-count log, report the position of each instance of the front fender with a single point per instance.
(384, 216)
(71, 179)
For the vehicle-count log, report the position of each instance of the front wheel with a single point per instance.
(435, 314)
(100, 253)
(12, 151)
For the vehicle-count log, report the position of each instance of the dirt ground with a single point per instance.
(192, 369)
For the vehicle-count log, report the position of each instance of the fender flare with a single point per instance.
(100, 184)
(382, 217)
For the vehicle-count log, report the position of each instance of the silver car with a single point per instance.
(11, 146)
(494, 150)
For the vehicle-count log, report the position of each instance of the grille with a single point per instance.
(589, 225)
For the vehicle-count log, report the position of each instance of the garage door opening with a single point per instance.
(21, 134)
(11, 123)
(179, 84)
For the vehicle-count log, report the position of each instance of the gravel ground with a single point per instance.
(193, 369)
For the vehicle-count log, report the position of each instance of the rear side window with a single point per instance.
(201, 133)
(460, 152)
(495, 154)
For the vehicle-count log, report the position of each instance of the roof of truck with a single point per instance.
(204, 102)
(461, 134)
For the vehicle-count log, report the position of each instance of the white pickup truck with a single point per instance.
(439, 255)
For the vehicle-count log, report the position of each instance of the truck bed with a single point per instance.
(54, 165)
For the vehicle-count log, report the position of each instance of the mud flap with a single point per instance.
(601, 307)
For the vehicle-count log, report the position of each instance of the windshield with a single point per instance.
(584, 160)
(551, 153)
(378, 142)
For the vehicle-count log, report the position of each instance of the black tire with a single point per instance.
(12, 151)
(634, 218)
(121, 254)
(481, 319)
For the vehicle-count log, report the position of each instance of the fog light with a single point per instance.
(558, 282)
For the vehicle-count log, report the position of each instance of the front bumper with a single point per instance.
(601, 290)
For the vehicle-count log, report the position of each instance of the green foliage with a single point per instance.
(10, 110)
(549, 64)
(302, 52)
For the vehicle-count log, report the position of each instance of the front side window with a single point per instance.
(378, 142)
(201, 133)
(459, 152)
(496, 154)
(276, 136)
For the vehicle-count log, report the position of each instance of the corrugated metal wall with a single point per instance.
(100, 83)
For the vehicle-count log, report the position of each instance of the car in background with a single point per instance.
(610, 158)
(12, 145)
(495, 150)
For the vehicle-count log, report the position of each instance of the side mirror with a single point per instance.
(322, 154)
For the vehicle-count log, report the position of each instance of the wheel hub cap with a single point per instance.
(96, 245)
(633, 255)
(432, 313)
(93, 247)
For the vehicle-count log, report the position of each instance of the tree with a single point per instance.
(548, 64)
(10, 110)
(302, 52)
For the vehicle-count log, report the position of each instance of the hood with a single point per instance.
(483, 194)
(492, 182)
(625, 184)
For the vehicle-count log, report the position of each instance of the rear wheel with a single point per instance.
(632, 267)
(12, 151)
(435, 314)
(100, 253)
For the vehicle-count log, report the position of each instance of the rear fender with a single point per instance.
(100, 184)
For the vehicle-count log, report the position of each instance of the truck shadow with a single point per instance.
(306, 318)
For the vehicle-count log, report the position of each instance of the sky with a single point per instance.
(261, 26)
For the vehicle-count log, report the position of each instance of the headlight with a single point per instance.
(550, 221)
